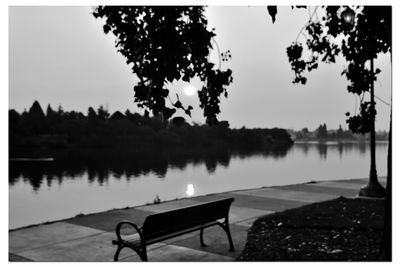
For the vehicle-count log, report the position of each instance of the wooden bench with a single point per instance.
(161, 226)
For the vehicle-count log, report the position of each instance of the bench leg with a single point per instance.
(117, 252)
(201, 238)
(228, 232)
(143, 254)
(225, 226)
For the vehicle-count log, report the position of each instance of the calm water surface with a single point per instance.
(46, 191)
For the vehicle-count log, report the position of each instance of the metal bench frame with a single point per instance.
(138, 242)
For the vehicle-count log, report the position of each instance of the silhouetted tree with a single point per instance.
(322, 131)
(36, 118)
(60, 111)
(163, 44)
(14, 128)
(359, 34)
(117, 115)
(102, 113)
(135, 118)
(49, 111)
(13, 117)
(92, 115)
(36, 111)
(340, 132)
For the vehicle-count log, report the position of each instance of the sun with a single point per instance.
(189, 90)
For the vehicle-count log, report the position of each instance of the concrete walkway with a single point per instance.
(88, 238)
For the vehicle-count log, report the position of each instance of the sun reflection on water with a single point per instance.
(189, 190)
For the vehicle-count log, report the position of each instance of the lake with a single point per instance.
(88, 182)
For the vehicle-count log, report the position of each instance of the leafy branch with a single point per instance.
(166, 44)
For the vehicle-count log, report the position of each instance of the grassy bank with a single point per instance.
(337, 230)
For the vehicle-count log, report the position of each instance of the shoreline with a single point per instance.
(76, 238)
(179, 199)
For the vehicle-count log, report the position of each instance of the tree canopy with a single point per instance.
(166, 44)
(359, 34)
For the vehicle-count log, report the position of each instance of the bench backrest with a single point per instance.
(159, 224)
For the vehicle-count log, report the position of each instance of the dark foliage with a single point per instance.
(359, 34)
(322, 132)
(162, 44)
(67, 130)
(364, 32)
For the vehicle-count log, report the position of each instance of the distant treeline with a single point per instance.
(322, 133)
(36, 130)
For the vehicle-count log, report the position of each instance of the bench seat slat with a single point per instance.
(134, 239)
(179, 232)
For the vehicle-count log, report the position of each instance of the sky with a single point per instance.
(60, 56)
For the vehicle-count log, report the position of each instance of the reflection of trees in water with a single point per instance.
(276, 152)
(212, 160)
(101, 165)
(362, 146)
(211, 165)
(323, 150)
(305, 149)
(341, 147)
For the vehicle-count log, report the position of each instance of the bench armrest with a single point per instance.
(120, 224)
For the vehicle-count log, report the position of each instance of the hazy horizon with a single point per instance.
(60, 56)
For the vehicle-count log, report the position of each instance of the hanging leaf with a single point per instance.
(272, 10)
